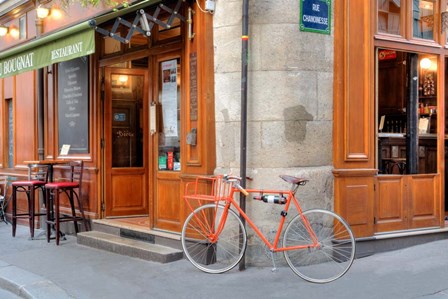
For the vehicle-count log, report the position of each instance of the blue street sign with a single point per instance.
(315, 16)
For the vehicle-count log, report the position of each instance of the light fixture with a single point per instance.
(3, 30)
(425, 63)
(56, 13)
(14, 32)
(42, 12)
(123, 79)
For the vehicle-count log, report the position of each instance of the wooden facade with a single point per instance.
(112, 188)
(369, 85)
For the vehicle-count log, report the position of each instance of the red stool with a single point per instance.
(54, 189)
(37, 178)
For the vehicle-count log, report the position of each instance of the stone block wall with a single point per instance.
(290, 105)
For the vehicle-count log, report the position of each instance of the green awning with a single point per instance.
(35, 56)
(66, 44)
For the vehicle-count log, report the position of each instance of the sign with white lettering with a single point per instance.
(315, 16)
(73, 46)
(73, 104)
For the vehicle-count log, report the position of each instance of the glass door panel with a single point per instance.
(127, 120)
(407, 112)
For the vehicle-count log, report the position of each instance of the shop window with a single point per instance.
(419, 15)
(423, 18)
(169, 33)
(169, 98)
(407, 112)
(111, 46)
(22, 28)
(389, 16)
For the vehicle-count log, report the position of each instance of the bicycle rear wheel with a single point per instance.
(335, 253)
(207, 251)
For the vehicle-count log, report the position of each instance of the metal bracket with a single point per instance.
(143, 23)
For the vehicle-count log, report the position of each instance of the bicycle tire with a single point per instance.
(213, 256)
(332, 258)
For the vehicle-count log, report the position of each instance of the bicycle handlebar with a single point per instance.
(235, 180)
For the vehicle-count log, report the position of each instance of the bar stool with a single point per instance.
(54, 189)
(37, 178)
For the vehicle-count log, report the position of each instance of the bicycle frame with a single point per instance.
(272, 246)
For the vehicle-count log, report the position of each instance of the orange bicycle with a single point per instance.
(318, 245)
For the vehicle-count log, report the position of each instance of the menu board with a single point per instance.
(73, 104)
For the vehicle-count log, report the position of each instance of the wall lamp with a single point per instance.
(14, 32)
(3, 30)
(42, 12)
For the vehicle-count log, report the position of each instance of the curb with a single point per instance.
(28, 285)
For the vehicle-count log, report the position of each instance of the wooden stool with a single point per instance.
(37, 178)
(54, 189)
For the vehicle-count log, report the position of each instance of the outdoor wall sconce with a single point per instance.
(14, 32)
(3, 30)
(42, 12)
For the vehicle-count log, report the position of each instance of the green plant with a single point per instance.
(85, 3)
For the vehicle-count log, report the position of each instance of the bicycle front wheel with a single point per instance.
(207, 250)
(334, 254)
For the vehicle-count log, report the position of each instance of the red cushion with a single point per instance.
(28, 183)
(60, 185)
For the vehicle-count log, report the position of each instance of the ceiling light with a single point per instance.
(425, 63)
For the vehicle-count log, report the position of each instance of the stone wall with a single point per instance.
(290, 104)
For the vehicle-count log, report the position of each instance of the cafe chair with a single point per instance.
(3, 201)
(37, 178)
(72, 189)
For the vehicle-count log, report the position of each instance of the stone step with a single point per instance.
(129, 247)
(138, 233)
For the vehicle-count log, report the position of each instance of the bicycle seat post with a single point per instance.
(294, 188)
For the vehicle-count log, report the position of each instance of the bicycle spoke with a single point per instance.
(332, 256)
(210, 250)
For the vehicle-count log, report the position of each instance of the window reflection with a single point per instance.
(423, 19)
(389, 16)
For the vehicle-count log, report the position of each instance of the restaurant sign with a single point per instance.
(70, 47)
(315, 16)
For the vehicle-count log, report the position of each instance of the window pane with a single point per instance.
(22, 28)
(407, 112)
(127, 120)
(423, 19)
(169, 97)
(389, 16)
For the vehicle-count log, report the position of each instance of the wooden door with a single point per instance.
(168, 202)
(407, 202)
(126, 142)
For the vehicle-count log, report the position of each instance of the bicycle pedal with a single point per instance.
(274, 270)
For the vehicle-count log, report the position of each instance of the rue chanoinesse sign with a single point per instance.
(315, 16)
(70, 47)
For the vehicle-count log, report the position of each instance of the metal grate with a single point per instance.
(143, 22)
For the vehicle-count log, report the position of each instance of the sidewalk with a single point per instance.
(36, 269)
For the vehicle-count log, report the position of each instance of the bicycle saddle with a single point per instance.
(294, 180)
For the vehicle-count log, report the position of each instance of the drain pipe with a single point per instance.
(40, 97)
(243, 143)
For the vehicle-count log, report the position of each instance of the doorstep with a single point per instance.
(132, 240)
(382, 242)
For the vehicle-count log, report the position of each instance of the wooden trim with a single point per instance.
(353, 86)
